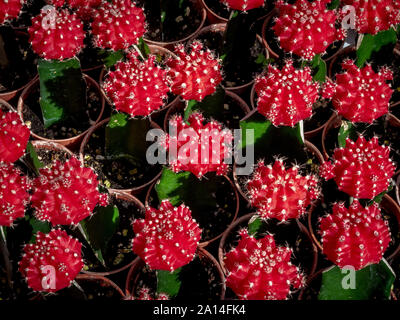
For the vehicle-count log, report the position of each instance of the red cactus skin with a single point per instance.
(306, 28)
(281, 193)
(286, 96)
(189, 143)
(243, 5)
(137, 88)
(362, 169)
(55, 250)
(194, 75)
(59, 39)
(66, 193)
(14, 194)
(259, 270)
(360, 95)
(10, 9)
(14, 136)
(356, 236)
(373, 16)
(118, 25)
(167, 238)
(85, 9)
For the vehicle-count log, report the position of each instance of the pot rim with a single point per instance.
(138, 262)
(69, 141)
(210, 12)
(92, 277)
(85, 140)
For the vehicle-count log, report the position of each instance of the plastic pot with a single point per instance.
(220, 28)
(128, 198)
(236, 201)
(136, 268)
(85, 141)
(170, 45)
(70, 143)
(8, 95)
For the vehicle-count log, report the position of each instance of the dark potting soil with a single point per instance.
(322, 111)
(212, 223)
(119, 249)
(86, 290)
(285, 234)
(218, 8)
(214, 41)
(200, 280)
(231, 114)
(115, 174)
(32, 115)
(17, 60)
(179, 27)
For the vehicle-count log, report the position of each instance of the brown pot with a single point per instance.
(103, 280)
(275, 55)
(205, 243)
(136, 268)
(8, 95)
(393, 120)
(397, 186)
(5, 105)
(51, 146)
(180, 106)
(128, 198)
(85, 140)
(156, 50)
(310, 147)
(212, 17)
(334, 122)
(221, 29)
(170, 45)
(307, 134)
(70, 143)
(222, 245)
(388, 204)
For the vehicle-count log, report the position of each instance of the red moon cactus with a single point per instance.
(52, 262)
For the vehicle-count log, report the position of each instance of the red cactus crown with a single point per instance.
(14, 194)
(209, 145)
(362, 169)
(373, 16)
(118, 25)
(66, 193)
(14, 136)
(194, 75)
(360, 95)
(167, 238)
(356, 236)
(10, 9)
(306, 28)
(260, 270)
(280, 193)
(286, 96)
(137, 88)
(55, 254)
(243, 5)
(56, 34)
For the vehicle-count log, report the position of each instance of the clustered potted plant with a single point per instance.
(199, 149)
